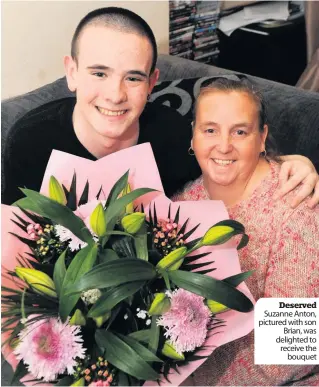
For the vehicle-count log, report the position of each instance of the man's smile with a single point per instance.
(112, 113)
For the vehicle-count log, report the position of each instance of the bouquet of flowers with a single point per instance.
(119, 289)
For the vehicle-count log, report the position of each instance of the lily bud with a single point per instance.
(133, 222)
(79, 382)
(129, 208)
(56, 191)
(78, 318)
(160, 305)
(101, 319)
(169, 351)
(216, 307)
(217, 235)
(39, 281)
(97, 221)
(173, 260)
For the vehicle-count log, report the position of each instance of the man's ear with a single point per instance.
(153, 79)
(70, 68)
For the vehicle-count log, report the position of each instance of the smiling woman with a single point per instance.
(230, 142)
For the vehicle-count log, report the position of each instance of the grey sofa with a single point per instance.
(293, 113)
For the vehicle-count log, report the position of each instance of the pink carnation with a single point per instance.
(49, 347)
(186, 321)
(100, 383)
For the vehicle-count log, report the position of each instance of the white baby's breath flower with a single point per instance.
(142, 314)
(91, 296)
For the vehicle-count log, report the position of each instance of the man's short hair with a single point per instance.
(118, 18)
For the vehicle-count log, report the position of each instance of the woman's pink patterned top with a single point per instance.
(283, 248)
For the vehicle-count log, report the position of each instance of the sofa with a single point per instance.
(293, 114)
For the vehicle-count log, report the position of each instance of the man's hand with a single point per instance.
(295, 171)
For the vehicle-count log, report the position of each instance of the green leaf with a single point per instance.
(114, 273)
(117, 189)
(115, 208)
(123, 379)
(145, 353)
(19, 373)
(123, 357)
(81, 264)
(107, 255)
(85, 195)
(142, 335)
(212, 289)
(243, 242)
(140, 243)
(119, 233)
(154, 335)
(65, 381)
(58, 213)
(59, 272)
(71, 203)
(236, 279)
(113, 296)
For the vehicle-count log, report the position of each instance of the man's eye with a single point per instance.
(210, 131)
(134, 79)
(99, 75)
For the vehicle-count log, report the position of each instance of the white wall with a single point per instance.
(37, 34)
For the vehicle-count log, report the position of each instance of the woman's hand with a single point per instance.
(298, 170)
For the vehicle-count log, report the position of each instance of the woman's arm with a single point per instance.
(296, 171)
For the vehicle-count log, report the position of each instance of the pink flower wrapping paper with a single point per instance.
(143, 173)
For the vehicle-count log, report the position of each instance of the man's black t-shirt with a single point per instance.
(49, 127)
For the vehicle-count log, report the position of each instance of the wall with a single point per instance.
(37, 34)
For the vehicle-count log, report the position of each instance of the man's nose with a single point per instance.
(224, 144)
(115, 91)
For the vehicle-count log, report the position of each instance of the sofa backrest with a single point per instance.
(293, 114)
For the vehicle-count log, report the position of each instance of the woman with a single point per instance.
(233, 148)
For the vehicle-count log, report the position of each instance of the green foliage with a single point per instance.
(211, 289)
(114, 273)
(81, 264)
(58, 213)
(113, 296)
(123, 356)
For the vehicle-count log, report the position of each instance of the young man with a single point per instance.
(112, 69)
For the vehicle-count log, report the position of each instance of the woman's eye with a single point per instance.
(210, 131)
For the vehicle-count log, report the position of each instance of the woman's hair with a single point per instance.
(244, 85)
(117, 18)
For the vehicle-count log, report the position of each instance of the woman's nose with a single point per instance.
(224, 144)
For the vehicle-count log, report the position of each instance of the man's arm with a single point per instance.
(23, 165)
(298, 170)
